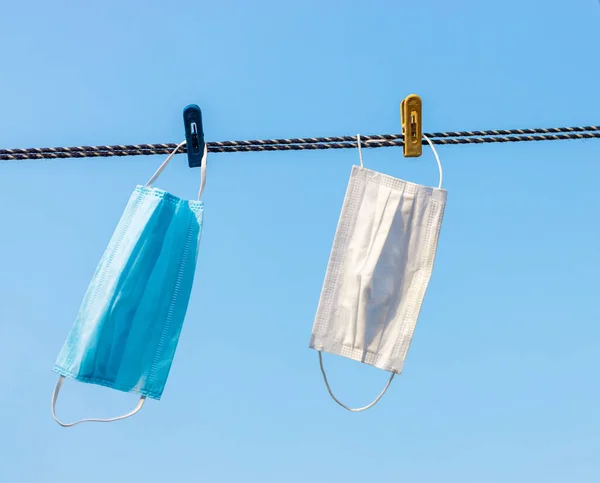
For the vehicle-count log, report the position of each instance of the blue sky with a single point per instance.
(500, 383)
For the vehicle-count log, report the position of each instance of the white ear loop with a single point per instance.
(437, 158)
(359, 150)
(352, 410)
(59, 384)
(166, 162)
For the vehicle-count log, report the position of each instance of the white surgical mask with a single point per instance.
(379, 268)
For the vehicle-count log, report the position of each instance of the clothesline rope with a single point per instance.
(298, 144)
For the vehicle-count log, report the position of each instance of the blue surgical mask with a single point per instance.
(129, 322)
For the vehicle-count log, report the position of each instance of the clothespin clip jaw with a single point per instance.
(194, 135)
(412, 125)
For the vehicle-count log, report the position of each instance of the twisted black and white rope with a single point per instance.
(393, 137)
(297, 144)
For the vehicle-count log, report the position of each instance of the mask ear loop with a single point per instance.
(352, 410)
(168, 160)
(164, 164)
(437, 158)
(359, 150)
(203, 171)
(59, 384)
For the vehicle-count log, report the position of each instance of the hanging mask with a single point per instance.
(129, 322)
(379, 268)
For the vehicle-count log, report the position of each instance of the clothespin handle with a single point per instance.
(412, 125)
(194, 135)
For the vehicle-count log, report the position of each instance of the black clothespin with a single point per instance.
(194, 135)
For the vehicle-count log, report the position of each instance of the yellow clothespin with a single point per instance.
(412, 125)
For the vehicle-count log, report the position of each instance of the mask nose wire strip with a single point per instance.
(353, 410)
(59, 384)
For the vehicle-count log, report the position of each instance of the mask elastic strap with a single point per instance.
(166, 162)
(59, 384)
(354, 410)
(359, 150)
(437, 158)
(203, 172)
